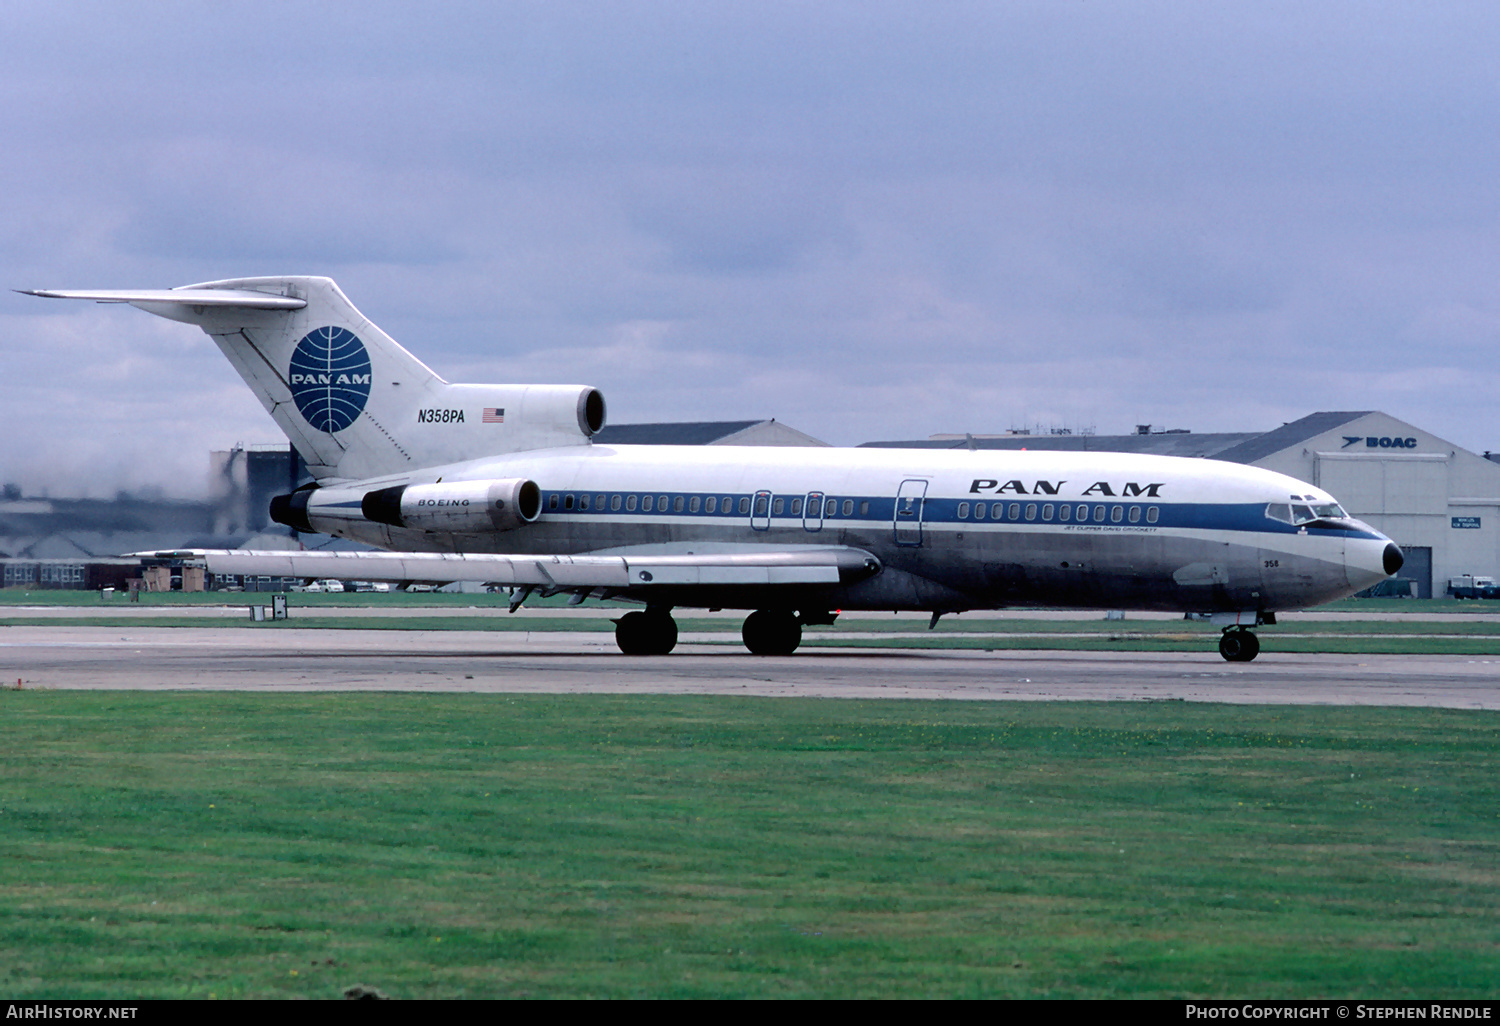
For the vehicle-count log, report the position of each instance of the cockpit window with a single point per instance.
(1298, 513)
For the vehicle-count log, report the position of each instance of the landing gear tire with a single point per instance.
(1239, 645)
(772, 632)
(646, 633)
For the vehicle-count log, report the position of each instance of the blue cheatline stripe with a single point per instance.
(1201, 516)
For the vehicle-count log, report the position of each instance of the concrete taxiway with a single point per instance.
(287, 660)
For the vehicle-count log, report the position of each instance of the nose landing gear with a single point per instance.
(1238, 644)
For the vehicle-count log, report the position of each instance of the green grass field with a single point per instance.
(196, 845)
(1472, 635)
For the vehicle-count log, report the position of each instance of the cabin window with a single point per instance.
(693, 504)
(614, 503)
(568, 501)
(744, 505)
(661, 503)
(778, 506)
(979, 511)
(646, 503)
(599, 501)
(761, 504)
(1135, 514)
(1083, 514)
(963, 511)
(1099, 514)
(552, 501)
(1064, 512)
(583, 502)
(729, 505)
(711, 504)
(630, 501)
(1047, 511)
(830, 507)
(1117, 514)
(864, 508)
(997, 511)
(1015, 511)
(1031, 511)
(796, 507)
(677, 504)
(848, 507)
(1152, 512)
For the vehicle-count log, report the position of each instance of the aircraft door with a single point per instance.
(910, 502)
(812, 512)
(760, 511)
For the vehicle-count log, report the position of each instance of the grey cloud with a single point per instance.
(866, 219)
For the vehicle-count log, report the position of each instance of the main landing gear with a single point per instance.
(772, 632)
(652, 631)
(648, 632)
(1238, 644)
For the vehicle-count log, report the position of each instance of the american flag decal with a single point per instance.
(492, 415)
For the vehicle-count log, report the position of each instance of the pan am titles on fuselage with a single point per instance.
(504, 484)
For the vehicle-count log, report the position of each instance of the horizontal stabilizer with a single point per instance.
(237, 298)
(773, 567)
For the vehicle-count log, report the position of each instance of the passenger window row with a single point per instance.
(731, 505)
(1061, 513)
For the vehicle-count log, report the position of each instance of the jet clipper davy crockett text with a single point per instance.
(503, 484)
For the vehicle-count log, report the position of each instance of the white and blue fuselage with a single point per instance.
(952, 529)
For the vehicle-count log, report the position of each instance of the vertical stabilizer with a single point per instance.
(354, 402)
(331, 379)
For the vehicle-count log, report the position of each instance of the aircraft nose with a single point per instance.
(1370, 559)
(1392, 559)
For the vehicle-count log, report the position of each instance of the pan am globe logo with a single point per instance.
(330, 378)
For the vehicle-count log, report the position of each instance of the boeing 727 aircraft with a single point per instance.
(502, 484)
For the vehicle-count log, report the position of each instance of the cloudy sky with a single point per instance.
(868, 220)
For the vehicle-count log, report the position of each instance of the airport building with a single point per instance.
(1439, 502)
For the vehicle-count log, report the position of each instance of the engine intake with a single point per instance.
(463, 506)
(591, 411)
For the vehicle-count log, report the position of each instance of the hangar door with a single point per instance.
(1418, 567)
(1372, 486)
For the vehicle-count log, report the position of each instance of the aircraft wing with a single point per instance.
(243, 298)
(555, 573)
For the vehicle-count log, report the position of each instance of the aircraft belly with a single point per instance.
(959, 570)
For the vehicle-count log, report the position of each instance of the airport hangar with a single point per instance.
(1439, 502)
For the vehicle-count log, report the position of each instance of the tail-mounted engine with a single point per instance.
(464, 507)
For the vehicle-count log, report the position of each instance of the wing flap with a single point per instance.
(824, 565)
